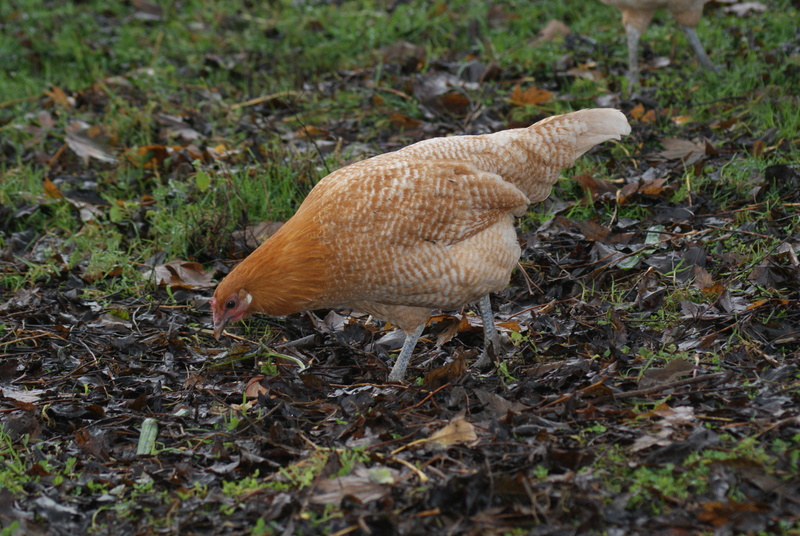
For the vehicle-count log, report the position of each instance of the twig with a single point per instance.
(12, 102)
(265, 98)
(672, 385)
(566, 397)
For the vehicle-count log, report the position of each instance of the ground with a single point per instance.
(650, 384)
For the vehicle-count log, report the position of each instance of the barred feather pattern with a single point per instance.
(430, 226)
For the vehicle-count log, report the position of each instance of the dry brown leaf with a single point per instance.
(182, 274)
(688, 151)
(645, 116)
(592, 231)
(454, 103)
(59, 97)
(254, 388)
(310, 131)
(653, 187)
(596, 187)
(448, 326)
(403, 121)
(681, 119)
(51, 189)
(511, 325)
(637, 111)
(459, 430)
(531, 96)
(449, 371)
(719, 513)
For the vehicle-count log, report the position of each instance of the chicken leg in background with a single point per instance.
(636, 17)
(430, 226)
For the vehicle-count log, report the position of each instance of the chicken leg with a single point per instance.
(636, 17)
(399, 369)
(430, 226)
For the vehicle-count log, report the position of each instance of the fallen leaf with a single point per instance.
(645, 116)
(310, 132)
(403, 121)
(174, 126)
(531, 96)
(255, 388)
(89, 142)
(459, 430)
(669, 373)
(51, 189)
(746, 8)
(29, 396)
(181, 274)
(676, 149)
(455, 103)
(364, 485)
(59, 97)
(449, 371)
(595, 187)
(719, 513)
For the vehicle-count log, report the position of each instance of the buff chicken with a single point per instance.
(636, 17)
(430, 226)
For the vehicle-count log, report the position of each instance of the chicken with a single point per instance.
(430, 226)
(636, 17)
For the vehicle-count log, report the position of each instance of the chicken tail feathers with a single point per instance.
(600, 124)
(555, 143)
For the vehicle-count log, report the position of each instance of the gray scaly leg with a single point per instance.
(633, 57)
(491, 339)
(398, 372)
(699, 51)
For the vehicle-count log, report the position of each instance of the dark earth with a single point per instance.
(652, 387)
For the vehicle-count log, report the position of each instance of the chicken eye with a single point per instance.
(231, 304)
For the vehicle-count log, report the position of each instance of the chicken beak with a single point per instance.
(219, 328)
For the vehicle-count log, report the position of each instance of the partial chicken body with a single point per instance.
(636, 17)
(430, 226)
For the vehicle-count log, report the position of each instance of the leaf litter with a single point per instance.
(132, 399)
